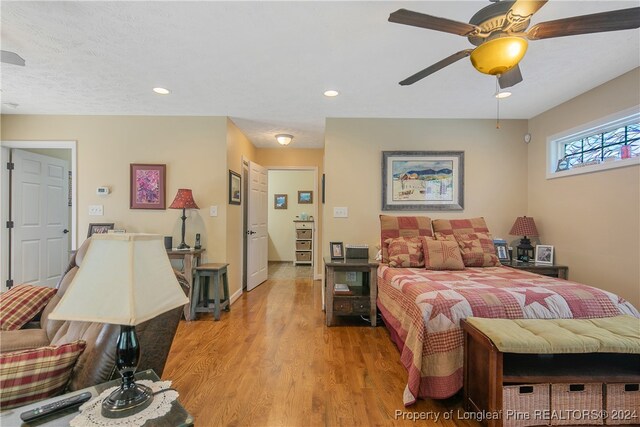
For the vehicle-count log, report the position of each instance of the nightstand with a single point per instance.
(360, 277)
(559, 271)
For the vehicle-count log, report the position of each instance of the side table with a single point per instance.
(559, 271)
(361, 300)
(190, 259)
(177, 416)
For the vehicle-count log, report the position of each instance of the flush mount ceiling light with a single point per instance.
(503, 94)
(161, 91)
(331, 93)
(284, 139)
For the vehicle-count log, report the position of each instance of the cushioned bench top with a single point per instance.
(620, 334)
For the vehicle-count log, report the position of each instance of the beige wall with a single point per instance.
(238, 146)
(288, 157)
(281, 229)
(193, 148)
(593, 220)
(495, 171)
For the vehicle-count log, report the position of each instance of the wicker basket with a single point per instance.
(622, 404)
(576, 404)
(523, 404)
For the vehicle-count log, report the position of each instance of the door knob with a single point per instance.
(65, 231)
(250, 232)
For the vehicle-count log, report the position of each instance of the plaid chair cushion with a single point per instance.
(460, 226)
(31, 375)
(405, 252)
(442, 255)
(21, 303)
(478, 250)
(392, 227)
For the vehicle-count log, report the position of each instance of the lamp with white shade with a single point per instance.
(124, 279)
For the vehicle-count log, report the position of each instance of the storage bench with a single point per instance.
(552, 372)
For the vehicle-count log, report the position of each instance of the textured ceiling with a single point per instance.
(266, 64)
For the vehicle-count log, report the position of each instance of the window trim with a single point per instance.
(555, 142)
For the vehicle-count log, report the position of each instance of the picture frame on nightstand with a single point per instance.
(337, 250)
(502, 251)
(544, 254)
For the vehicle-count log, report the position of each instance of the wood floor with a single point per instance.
(271, 361)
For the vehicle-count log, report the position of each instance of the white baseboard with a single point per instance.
(237, 294)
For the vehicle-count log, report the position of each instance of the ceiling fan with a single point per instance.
(11, 58)
(498, 31)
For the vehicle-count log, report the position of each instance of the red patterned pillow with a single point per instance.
(392, 227)
(21, 303)
(460, 226)
(405, 252)
(31, 375)
(478, 250)
(442, 255)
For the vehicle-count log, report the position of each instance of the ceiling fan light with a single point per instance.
(499, 55)
(284, 139)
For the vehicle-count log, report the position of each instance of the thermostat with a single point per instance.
(102, 191)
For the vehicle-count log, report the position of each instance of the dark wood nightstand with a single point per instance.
(559, 271)
(361, 278)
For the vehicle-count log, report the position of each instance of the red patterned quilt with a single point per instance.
(423, 309)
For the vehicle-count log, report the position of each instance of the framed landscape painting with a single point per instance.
(422, 180)
(147, 186)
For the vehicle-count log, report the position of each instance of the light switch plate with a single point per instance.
(96, 210)
(340, 212)
(213, 210)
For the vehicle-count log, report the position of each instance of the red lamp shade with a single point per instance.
(524, 226)
(184, 200)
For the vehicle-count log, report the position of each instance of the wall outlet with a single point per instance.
(341, 212)
(213, 211)
(96, 210)
(351, 276)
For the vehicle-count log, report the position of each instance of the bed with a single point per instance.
(422, 308)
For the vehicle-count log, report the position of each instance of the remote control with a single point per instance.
(51, 408)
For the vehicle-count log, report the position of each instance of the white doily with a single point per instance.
(90, 412)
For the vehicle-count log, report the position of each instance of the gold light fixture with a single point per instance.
(284, 139)
(499, 55)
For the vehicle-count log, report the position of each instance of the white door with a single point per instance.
(40, 213)
(257, 237)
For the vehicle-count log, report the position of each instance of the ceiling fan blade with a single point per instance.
(623, 19)
(11, 58)
(521, 11)
(435, 67)
(510, 78)
(416, 19)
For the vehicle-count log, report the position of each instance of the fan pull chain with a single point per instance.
(498, 104)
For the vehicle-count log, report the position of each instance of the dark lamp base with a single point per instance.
(124, 402)
(183, 246)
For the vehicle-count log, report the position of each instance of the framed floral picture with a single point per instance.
(422, 180)
(147, 186)
(101, 228)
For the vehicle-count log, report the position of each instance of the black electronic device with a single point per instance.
(197, 245)
(45, 410)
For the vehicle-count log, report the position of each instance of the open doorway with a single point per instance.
(38, 198)
(292, 222)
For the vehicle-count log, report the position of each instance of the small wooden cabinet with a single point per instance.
(559, 271)
(363, 288)
(304, 236)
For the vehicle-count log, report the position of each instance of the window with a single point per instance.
(608, 143)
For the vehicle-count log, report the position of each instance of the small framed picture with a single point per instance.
(544, 254)
(502, 251)
(235, 185)
(103, 228)
(147, 186)
(337, 250)
(305, 197)
(279, 201)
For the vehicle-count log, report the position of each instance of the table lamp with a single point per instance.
(524, 226)
(124, 279)
(183, 200)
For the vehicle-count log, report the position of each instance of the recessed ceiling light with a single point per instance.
(161, 90)
(503, 94)
(331, 93)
